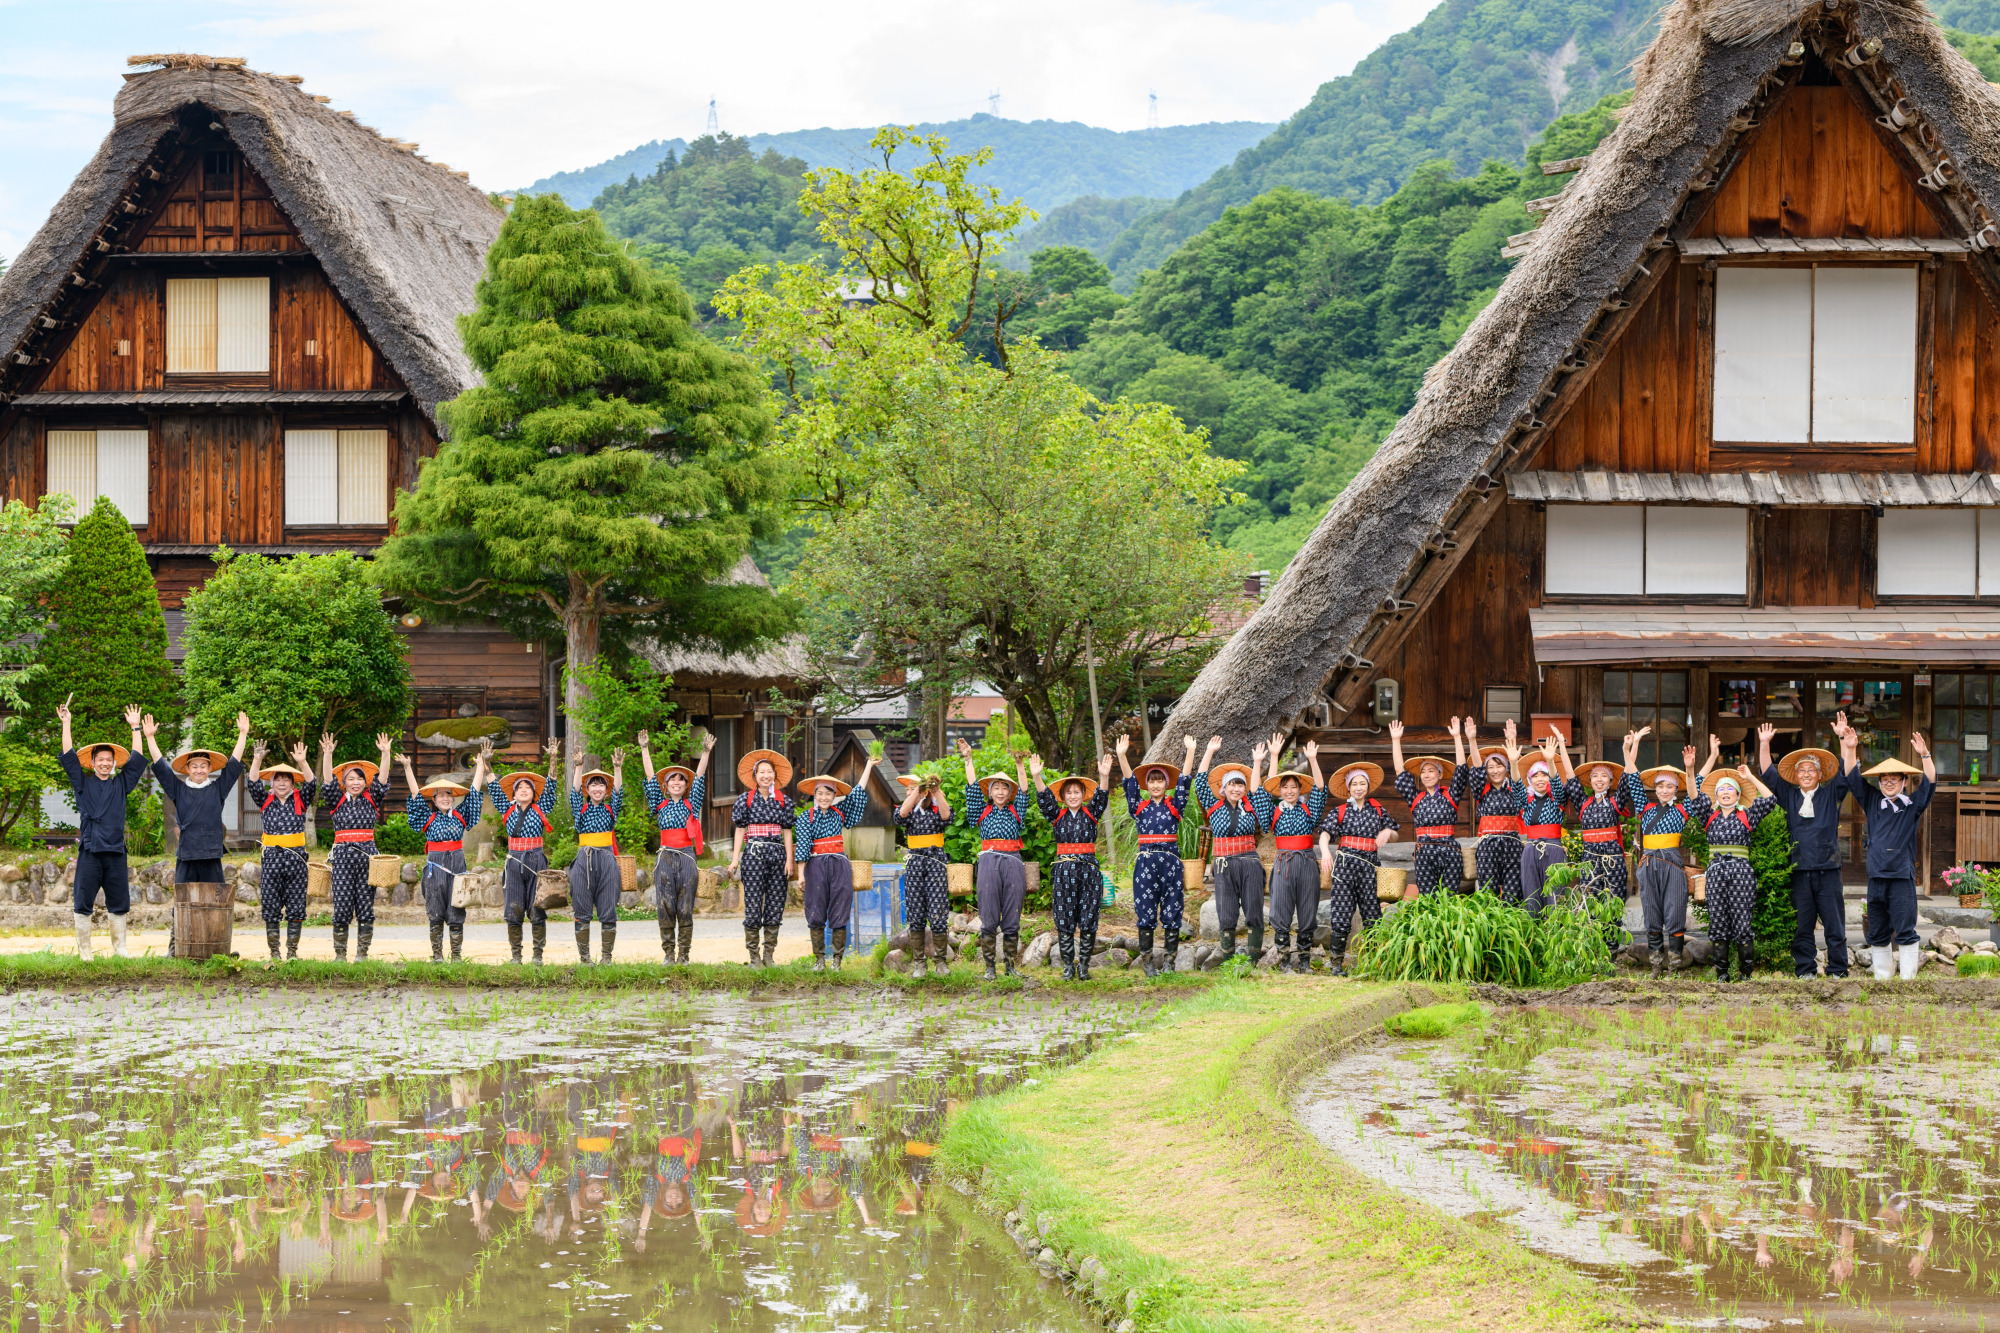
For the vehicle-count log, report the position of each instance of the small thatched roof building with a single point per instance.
(1436, 564)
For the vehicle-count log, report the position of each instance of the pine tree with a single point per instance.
(608, 473)
(107, 638)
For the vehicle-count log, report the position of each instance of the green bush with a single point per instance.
(397, 838)
(1475, 937)
(1979, 964)
(1434, 1020)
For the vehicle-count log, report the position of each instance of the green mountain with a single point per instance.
(1044, 162)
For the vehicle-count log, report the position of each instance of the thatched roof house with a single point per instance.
(1751, 124)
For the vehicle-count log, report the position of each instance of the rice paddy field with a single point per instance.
(432, 1160)
(1740, 1166)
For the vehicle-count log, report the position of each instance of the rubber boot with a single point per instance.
(818, 934)
(119, 924)
(607, 939)
(1152, 964)
(920, 945)
(541, 938)
(1011, 954)
(340, 943)
(437, 941)
(1228, 950)
(1677, 955)
(1908, 959)
(271, 938)
(1085, 946)
(364, 935)
(1746, 961)
(82, 920)
(1722, 962)
(839, 947)
(514, 942)
(770, 946)
(1336, 956)
(1256, 943)
(1284, 942)
(1066, 942)
(583, 944)
(687, 939)
(457, 930)
(1173, 951)
(1657, 961)
(750, 936)
(988, 942)
(293, 929)
(668, 925)
(1880, 959)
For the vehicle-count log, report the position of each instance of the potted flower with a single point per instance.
(1974, 884)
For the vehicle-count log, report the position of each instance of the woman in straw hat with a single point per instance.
(525, 800)
(1351, 838)
(1541, 821)
(198, 782)
(353, 793)
(1894, 808)
(1663, 887)
(762, 859)
(99, 792)
(820, 836)
(443, 811)
(997, 808)
(596, 799)
(1301, 800)
(1811, 788)
(283, 793)
(1497, 806)
(1159, 885)
(676, 796)
(1732, 884)
(1233, 821)
(1425, 782)
(922, 818)
(1073, 808)
(1597, 793)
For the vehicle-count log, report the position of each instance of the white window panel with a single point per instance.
(243, 326)
(1763, 355)
(190, 326)
(364, 477)
(312, 477)
(1989, 553)
(1694, 550)
(1926, 553)
(1595, 550)
(122, 472)
(73, 468)
(1864, 355)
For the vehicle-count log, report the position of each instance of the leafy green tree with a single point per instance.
(608, 472)
(615, 708)
(106, 641)
(33, 554)
(302, 645)
(26, 771)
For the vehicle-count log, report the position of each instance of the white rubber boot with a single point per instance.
(1883, 964)
(118, 949)
(1908, 959)
(82, 935)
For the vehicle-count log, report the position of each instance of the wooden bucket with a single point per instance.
(863, 874)
(958, 879)
(628, 874)
(384, 871)
(1191, 872)
(1390, 882)
(202, 920)
(551, 889)
(319, 880)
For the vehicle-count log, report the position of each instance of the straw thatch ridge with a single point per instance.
(401, 239)
(1707, 64)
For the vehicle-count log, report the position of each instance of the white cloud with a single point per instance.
(512, 91)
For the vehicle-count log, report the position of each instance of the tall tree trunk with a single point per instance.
(583, 619)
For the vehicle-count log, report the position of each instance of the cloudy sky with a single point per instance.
(512, 91)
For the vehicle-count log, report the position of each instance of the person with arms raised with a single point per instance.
(283, 793)
(1426, 782)
(1233, 821)
(1159, 885)
(99, 791)
(997, 808)
(1294, 821)
(1073, 808)
(198, 782)
(353, 793)
(1810, 789)
(1894, 808)
(676, 796)
(526, 801)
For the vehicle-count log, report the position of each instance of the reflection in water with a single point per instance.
(431, 1163)
(1755, 1165)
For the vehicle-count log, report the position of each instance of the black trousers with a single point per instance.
(1077, 886)
(105, 870)
(1438, 866)
(517, 886)
(1816, 901)
(439, 870)
(594, 884)
(675, 876)
(829, 892)
(1239, 889)
(198, 872)
(1892, 912)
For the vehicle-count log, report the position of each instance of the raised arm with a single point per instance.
(62, 712)
(1208, 755)
(1923, 750)
(1511, 741)
(1396, 745)
(409, 774)
(701, 763)
(1035, 768)
(965, 753)
(1743, 771)
(481, 764)
(910, 799)
(132, 720)
(1561, 754)
(645, 740)
(1764, 733)
(1312, 762)
(151, 730)
(1714, 753)
(1124, 763)
(552, 747)
(1257, 773)
(326, 758)
(1850, 744)
(618, 768)
(1632, 739)
(1458, 742)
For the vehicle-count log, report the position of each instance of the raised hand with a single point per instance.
(1918, 744)
(257, 753)
(1451, 728)
(1509, 731)
(644, 738)
(242, 725)
(1840, 727)
(1311, 751)
(485, 747)
(299, 753)
(550, 747)
(1103, 767)
(1124, 744)
(1687, 758)
(132, 716)
(326, 742)
(965, 748)
(1396, 730)
(402, 759)
(1714, 745)
(62, 711)
(1471, 732)
(150, 727)
(1277, 742)
(1765, 731)
(1641, 733)
(617, 758)
(707, 741)
(1035, 764)
(1259, 750)
(1743, 771)
(1188, 745)
(1214, 744)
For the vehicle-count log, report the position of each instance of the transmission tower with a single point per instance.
(993, 102)
(1152, 109)
(714, 123)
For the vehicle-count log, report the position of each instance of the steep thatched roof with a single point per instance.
(401, 239)
(1401, 526)
(779, 663)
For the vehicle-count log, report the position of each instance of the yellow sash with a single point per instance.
(284, 839)
(926, 840)
(594, 839)
(1656, 840)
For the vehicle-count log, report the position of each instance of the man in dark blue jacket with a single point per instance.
(100, 791)
(1811, 789)
(1894, 810)
(198, 782)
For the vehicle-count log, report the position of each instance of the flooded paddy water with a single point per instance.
(430, 1161)
(1728, 1167)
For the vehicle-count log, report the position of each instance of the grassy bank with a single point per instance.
(62, 971)
(1173, 1159)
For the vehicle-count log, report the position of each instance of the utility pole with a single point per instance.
(714, 122)
(1152, 109)
(993, 103)
(1090, 669)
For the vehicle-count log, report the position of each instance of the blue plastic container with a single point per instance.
(876, 911)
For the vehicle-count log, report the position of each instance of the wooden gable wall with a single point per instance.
(220, 204)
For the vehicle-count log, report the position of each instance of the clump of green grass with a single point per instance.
(1979, 964)
(1434, 1020)
(1475, 937)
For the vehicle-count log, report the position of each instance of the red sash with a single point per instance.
(1499, 824)
(1000, 844)
(1616, 835)
(453, 846)
(1295, 844)
(1358, 844)
(1076, 849)
(682, 837)
(523, 844)
(354, 835)
(1145, 838)
(1543, 831)
(1236, 846)
(834, 846)
(1437, 830)
(693, 822)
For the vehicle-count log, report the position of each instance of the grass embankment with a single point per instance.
(51, 970)
(1174, 1159)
